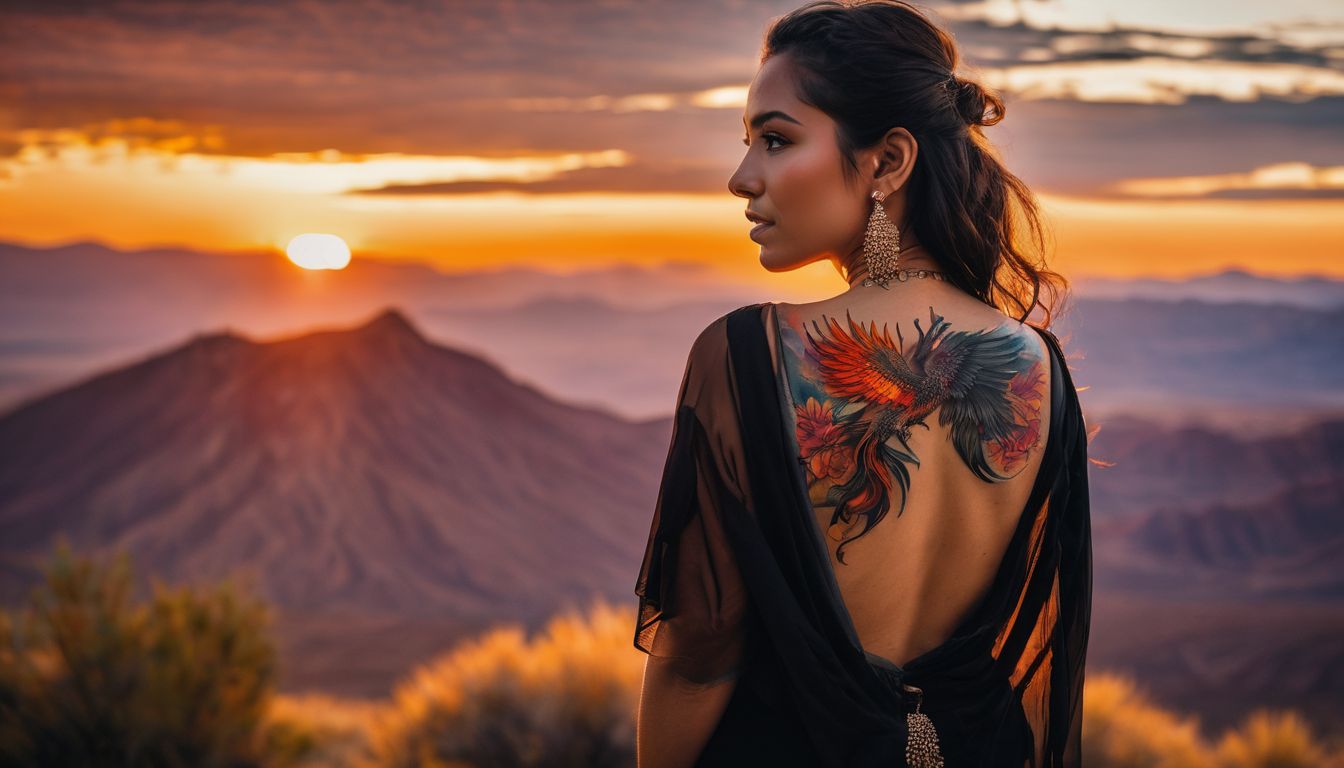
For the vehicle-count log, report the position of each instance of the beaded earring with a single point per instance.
(881, 244)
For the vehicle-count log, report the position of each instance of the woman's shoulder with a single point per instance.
(713, 337)
(707, 361)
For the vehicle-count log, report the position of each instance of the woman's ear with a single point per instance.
(894, 160)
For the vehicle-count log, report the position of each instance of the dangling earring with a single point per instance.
(881, 245)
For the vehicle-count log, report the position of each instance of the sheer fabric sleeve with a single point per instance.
(1074, 589)
(1044, 645)
(692, 601)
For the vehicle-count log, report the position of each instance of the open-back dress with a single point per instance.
(736, 582)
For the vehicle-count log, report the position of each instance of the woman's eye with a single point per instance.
(767, 138)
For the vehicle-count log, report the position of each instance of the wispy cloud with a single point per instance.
(1280, 180)
(1158, 80)
(150, 145)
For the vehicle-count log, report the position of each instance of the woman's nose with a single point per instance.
(742, 184)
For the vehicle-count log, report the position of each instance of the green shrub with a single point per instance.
(89, 678)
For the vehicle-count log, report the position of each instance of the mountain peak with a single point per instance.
(391, 321)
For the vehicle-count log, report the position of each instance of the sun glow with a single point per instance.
(318, 251)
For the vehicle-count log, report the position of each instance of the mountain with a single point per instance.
(1182, 467)
(69, 310)
(1216, 566)
(1291, 542)
(1173, 357)
(363, 474)
(1236, 286)
(1196, 512)
(1192, 350)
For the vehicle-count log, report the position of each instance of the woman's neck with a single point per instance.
(914, 257)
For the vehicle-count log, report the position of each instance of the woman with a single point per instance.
(872, 542)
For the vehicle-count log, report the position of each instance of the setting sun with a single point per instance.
(318, 251)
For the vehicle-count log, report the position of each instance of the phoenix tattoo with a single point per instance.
(986, 384)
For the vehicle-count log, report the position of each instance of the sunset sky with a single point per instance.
(1163, 139)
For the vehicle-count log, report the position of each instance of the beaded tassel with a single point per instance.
(921, 746)
(881, 244)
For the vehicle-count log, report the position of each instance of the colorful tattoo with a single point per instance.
(858, 394)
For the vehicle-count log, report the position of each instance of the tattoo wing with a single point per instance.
(867, 366)
(974, 369)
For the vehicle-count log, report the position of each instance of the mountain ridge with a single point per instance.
(358, 469)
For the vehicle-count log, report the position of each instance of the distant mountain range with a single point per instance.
(1196, 512)
(1231, 286)
(1166, 358)
(69, 311)
(1195, 349)
(1291, 542)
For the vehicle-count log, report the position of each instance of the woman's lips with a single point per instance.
(758, 229)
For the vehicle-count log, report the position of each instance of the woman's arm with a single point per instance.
(676, 717)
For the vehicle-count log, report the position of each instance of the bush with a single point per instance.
(568, 699)
(1271, 740)
(88, 678)
(317, 730)
(1123, 729)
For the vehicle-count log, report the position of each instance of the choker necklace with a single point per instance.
(904, 275)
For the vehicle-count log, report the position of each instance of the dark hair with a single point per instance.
(873, 65)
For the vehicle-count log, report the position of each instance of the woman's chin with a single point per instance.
(774, 263)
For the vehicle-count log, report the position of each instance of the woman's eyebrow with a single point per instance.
(760, 119)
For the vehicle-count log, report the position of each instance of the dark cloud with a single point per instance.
(1002, 45)
(1081, 148)
(256, 78)
(365, 76)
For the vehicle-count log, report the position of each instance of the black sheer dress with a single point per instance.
(736, 581)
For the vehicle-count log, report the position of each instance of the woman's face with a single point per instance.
(792, 176)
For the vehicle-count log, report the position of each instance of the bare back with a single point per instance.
(920, 418)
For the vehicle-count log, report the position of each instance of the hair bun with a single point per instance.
(972, 101)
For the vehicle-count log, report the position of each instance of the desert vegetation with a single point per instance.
(91, 677)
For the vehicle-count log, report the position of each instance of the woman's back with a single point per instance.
(854, 370)
(738, 583)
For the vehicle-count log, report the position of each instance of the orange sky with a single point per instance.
(558, 232)
(1164, 144)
